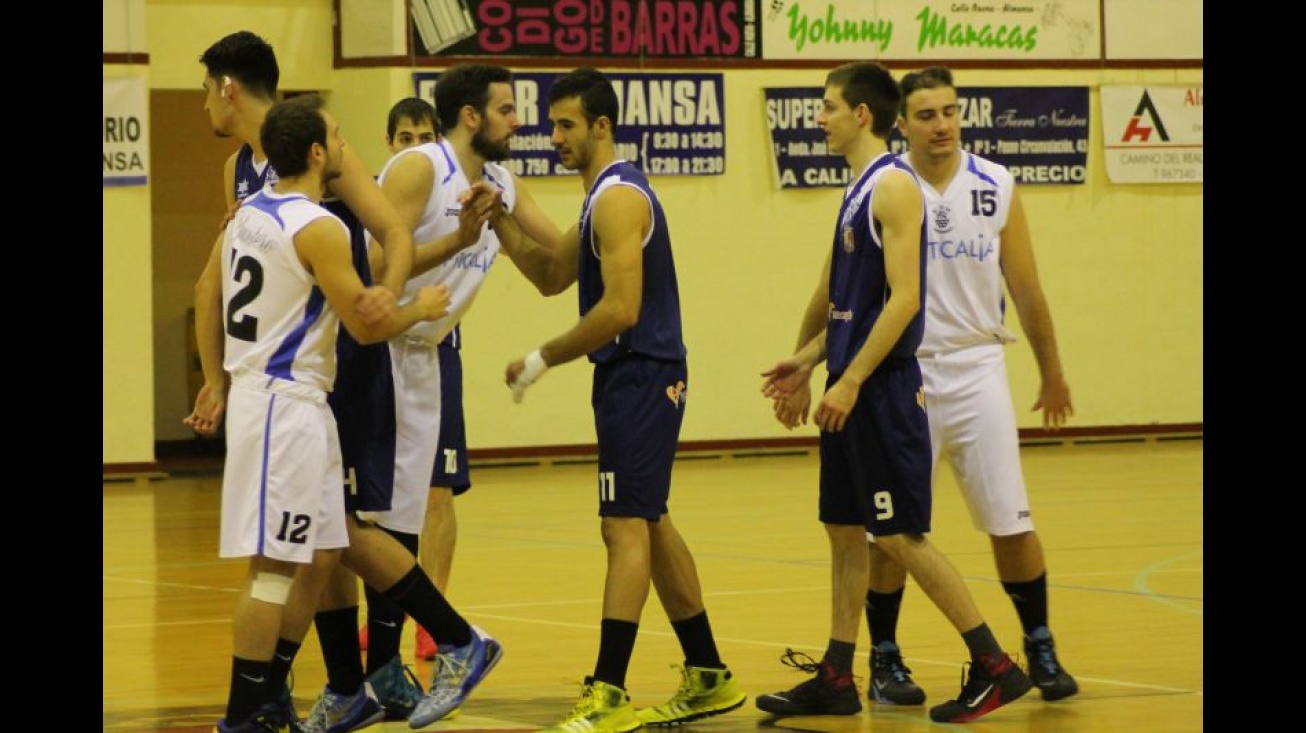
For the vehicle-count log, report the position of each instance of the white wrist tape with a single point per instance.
(535, 368)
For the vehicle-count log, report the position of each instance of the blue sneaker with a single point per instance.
(458, 670)
(397, 688)
(336, 713)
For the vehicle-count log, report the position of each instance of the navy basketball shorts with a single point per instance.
(364, 405)
(639, 404)
(451, 450)
(876, 471)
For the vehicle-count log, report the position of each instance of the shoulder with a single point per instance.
(989, 170)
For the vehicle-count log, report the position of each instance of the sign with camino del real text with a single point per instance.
(1040, 133)
(670, 124)
(1153, 134)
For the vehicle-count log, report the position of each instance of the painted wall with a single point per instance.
(1122, 266)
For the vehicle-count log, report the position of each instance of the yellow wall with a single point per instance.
(127, 349)
(1121, 264)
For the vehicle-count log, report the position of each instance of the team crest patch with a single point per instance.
(848, 242)
(942, 218)
(676, 393)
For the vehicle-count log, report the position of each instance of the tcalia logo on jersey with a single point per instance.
(676, 393)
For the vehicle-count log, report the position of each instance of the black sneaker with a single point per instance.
(993, 682)
(891, 682)
(828, 693)
(1049, 676)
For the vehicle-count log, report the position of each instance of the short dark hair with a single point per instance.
(247, 58)
(413, 108)
(289, 131)
(931, 77)
(464, 84)
(597, 96)
(869, 83)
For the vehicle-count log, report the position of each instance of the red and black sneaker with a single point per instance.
(828, 693)
(993, 682)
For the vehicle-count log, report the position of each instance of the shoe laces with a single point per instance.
(800, 661)
(589, 701)
(451, 666)
(1042, 653)
(826, 681)
(890, 663)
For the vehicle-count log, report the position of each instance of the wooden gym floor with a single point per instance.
(1121, 524)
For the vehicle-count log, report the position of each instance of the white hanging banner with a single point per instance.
(126, 132)
(1152, 134)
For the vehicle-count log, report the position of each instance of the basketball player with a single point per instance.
(978, 239)
(287, 283)
(875, 450)
(620, 254)
(425, 183)
(241, 79)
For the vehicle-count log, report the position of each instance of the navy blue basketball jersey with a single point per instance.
(858, 285)
(251, 178)
(657, 333)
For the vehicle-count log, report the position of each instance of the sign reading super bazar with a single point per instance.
(670, 124)
(1040, 133)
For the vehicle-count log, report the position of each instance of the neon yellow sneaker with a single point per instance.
(703, 693)
(603, 708)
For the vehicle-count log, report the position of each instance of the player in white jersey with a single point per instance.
(425, 184)
(285, 281)
(978, 240)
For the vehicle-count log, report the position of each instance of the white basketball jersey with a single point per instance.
(964, 303)
(465, 271)
(277, 322)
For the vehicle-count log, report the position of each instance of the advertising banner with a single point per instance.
(126, 132)
(697, 29)
(928, 30)
(671, 124)
(1152, 134)
(1040, 133)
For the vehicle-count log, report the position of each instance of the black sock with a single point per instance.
(981, 643)
(696, 641)
(385, 619)
(337, 632)
(616, 645)
(418, 596)
(1031, 601)
(248, 691)
(840, 656)
(282, 658)
(882, 615)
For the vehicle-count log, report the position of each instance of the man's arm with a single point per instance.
(546, 257)
(1021, 274)
(323, 246)
(897, 205)
(789, 382)
(211, 402)
(621, 216)
(408, 184)
(360, 192)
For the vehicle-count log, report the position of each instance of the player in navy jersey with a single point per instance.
(241, 79)
(286, 286)
(866, 320)
(619, 254)
(978, 241)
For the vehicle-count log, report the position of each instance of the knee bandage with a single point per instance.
(270, 588)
